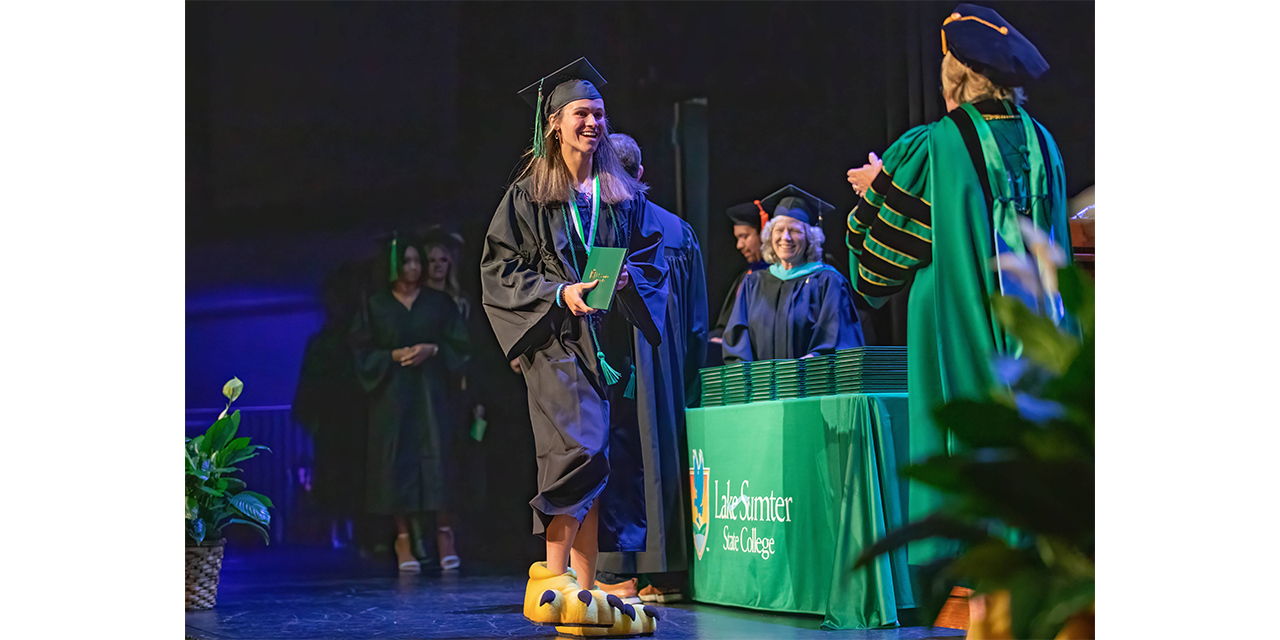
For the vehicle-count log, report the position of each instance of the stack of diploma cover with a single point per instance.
(858, 370)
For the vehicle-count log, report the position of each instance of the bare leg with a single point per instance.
(445, 542)
(586, 547)
(444, 535)
(404, 544)
(560, 535)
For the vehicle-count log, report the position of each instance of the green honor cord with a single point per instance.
(588, 240)
(610, 375)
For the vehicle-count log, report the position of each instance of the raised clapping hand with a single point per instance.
(861, 177)
(573, 294)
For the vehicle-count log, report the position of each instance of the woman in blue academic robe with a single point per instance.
(799, 306)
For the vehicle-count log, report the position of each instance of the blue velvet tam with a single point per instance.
(988, 44)
(794, 202)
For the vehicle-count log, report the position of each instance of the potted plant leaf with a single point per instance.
(1021, 485)
(216, 498)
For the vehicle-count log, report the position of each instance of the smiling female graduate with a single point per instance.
(573, 196)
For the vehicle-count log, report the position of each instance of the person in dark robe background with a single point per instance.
(406, 343)
(748, 219)
(331, 404)
(799, 306)
(464, 470)
(578, 362)
(672, 385)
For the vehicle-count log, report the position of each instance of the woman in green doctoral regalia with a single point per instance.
(948, 197)
(407, 341)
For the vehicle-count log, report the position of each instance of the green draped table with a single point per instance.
(785, 496)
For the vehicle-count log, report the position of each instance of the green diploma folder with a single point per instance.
(604, 264)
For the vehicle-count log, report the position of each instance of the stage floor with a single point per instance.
(315, 593)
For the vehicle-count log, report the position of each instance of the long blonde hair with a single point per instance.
(552, 183)
(964, 85)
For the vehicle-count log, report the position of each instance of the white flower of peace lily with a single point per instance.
(1049, 256)
(231, 390)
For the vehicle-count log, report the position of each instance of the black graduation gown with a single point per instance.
(661, 400)
(726, 309)
(575, 415)
(715, 355)
(775, 319)
(410, 421)
(331, 404)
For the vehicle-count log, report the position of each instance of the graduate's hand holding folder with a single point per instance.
(603, 267)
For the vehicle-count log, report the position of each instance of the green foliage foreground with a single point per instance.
(215, 497)
(1021, 487)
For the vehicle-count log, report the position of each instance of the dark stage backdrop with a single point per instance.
(313, 127)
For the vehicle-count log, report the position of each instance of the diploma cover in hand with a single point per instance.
(604, 264)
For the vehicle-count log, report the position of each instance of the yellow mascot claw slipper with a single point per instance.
(556, 599)
(629, 621)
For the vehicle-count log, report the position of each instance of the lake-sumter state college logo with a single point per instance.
(699, 480)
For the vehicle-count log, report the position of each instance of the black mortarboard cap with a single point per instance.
(988, 44)
(794, 202)
(576, 81)
(438, 233)
(747, 213)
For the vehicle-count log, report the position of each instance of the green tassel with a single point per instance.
(630, 393)
(395, 259)
(611, 377)
(539, 148)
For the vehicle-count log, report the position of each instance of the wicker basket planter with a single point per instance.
(204, 563)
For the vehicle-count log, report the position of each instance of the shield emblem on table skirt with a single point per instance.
(699, 480)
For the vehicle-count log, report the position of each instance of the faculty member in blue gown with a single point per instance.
(799, 306)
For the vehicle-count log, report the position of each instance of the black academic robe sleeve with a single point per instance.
(373, 364)
(517, 294)
(454, 343)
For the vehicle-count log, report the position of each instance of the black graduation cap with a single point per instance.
(794, 202)
(988, 44)
(747, 213)
(576, 81)
(446, 236)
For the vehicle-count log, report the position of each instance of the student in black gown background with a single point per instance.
(748, 219)
(331, 404)
(464, 467)
(407, 342)
(799, 306)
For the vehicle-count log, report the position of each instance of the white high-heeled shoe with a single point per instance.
(407, 566)
(449, 562)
